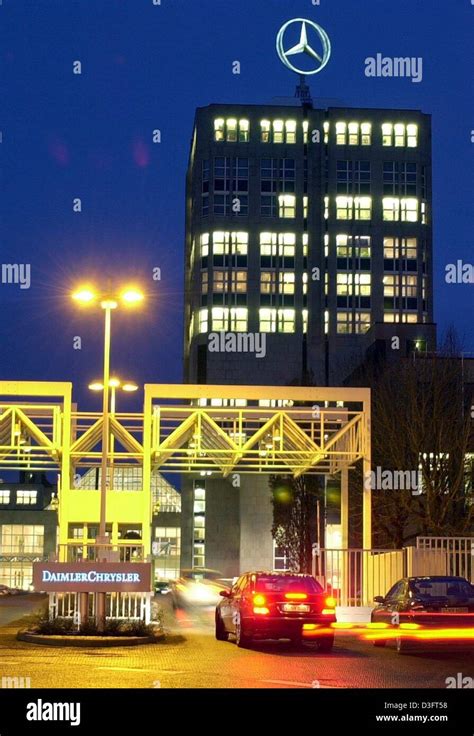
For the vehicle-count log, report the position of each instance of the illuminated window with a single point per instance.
(26, 498)
(326, 322)
(400, 292)
(286, 282)
(235, 243)
(412, 135)
(361, 322)
(326, 132)
(231, 130)
(238, 319)
(387, 134)
(287, 206)
(424, 216)
(305, 321)
(267, 320)
(353, 290)
(366, 134)
(349, 322)
(341, 134)
(229, 281)
(399, 317)
(286, 320)
(344, 322)
(243, 131)
(362, 208)
(239, 281)
(353, 134)
(305, 244)
(203, 321)
(265, 127)
(204, 245)
(305, 284)
(305, 207)
(199, 524)
(21, 539)
(409, 210)
(290, 128)
(305, 131)
(204, 282)
(220, 318)
(344, 208)
(400, 254)
(219, 129)
(391, 209)
(219, 281)
(278, 131)
(353, 252)
(4, 497)
(399, 135)
(326, 208)
(268, 282)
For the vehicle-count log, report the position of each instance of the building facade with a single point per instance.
(28, 529)
(308, 246)
(311, 227)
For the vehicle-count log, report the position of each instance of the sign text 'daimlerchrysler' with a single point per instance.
(87, 577)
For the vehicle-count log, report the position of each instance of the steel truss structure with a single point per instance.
(183, 429)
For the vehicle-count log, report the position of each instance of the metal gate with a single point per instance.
(459, 553)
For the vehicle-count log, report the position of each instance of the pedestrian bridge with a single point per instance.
(183, 429)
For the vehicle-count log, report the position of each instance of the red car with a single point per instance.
(276, 605)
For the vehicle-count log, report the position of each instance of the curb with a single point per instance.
(87, 641)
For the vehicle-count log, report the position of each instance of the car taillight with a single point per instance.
(330, 602)
(296, 596)
(259, 600)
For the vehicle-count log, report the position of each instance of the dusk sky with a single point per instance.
(147, 66)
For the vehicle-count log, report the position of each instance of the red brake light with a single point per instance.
(330, 602)
(259, 600)
(296, 596)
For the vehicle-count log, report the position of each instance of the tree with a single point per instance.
(294, 517)
(421, 421)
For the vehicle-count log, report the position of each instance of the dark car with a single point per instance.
(269, 605)
(425, 603)
(162, 587)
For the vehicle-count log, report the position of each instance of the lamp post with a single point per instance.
(115, 384)
(107, 301)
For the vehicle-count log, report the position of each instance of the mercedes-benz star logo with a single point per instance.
(304, 47)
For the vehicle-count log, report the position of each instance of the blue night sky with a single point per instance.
(147, 67)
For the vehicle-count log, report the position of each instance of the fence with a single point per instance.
(127, 606)
(355, 576)
(459, 552)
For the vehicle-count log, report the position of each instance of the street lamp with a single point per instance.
(86, 296)
(114, 385)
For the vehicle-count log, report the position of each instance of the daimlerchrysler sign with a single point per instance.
(89, 577)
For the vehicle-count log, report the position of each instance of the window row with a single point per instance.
(23, 498)
(352, 133)
(394, 209)
(351, 317)
(235, 319)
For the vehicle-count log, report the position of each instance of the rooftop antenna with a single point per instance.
(303, 92)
